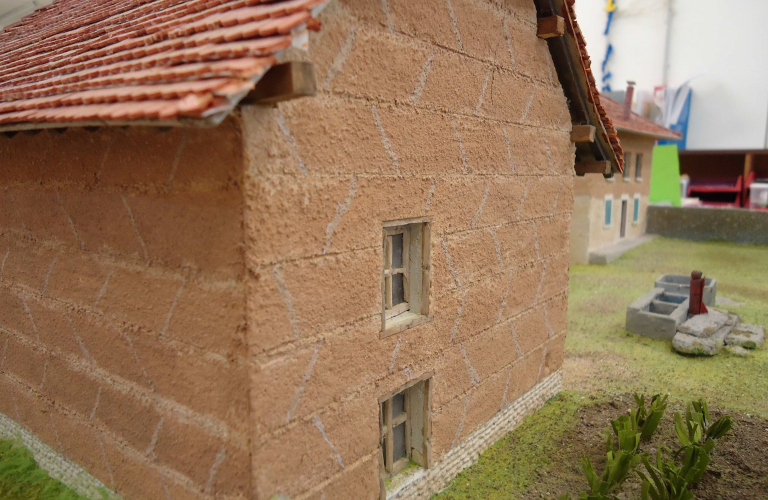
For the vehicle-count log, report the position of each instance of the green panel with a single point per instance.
(665, 175)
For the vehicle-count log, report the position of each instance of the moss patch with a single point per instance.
(522, 456)
(22, 479)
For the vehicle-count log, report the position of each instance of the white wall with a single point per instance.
(721, 46)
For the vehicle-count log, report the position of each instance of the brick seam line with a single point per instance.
(536, 241)
(104, 158)
(480, 99)
(2, 264)
(31, 319)
(509, 149)
(464, 158)
(385, 8)
(212, 425)
(221, 456)
(177, 158)
(550, 161)
(392, 359)
(503, 305)
(279, 431)
(135, 228)
(385, 141)
(48, 276)
(79, 341)
(319, 487)
(474, 378)
(101, 434)
(18, 214)
(460, 427)
(422, 82)
(169, 316)
(299, 391)
(518, 347)
(282, 289)
(457, 322)
(103, 289)
(341, 209)
(80, 242)
(340, 58)
(449, 261)
(5, 350)
(479, 212)
(546, 321)
(522, 200)
(497, 244)
(291, 141)
(508, 39)
(454, 25)
(426, 204)
(319, 425)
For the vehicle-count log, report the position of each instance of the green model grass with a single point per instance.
(603, 359)
(22, 479)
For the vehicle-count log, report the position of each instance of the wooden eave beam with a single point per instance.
(551, 26)
(583, 133)
(593, 167)
(282, 82)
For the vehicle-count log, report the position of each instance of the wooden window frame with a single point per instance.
(416, 275)
(390, 467)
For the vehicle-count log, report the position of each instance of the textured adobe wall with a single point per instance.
(122, 305)
(431, 108)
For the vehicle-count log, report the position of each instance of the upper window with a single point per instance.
(404, 421)
(405, 275)
(627, 166)
(636, 211)
(608, 210)
(639, 167)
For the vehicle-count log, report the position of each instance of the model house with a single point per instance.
(309, 248)
(609, 213)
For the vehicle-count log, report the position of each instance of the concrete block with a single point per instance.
(738, 351)
(609, 253)
(682, 285)
(689, 344)
(704, 325)
(643, 317)
(746, 335)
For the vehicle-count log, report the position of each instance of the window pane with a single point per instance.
(398, 289)
(397, 250)
(637, 209)
(639, 167)
(608, 205)
(627, 164)
(399, 444)
(398, 404)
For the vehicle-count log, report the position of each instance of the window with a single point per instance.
(405, 275)
(639, 167)
(405, 427)
(608, 209)
(627, 166)
(636, 211)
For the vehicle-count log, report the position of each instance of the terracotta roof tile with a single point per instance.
(126, 60)
(636, 123)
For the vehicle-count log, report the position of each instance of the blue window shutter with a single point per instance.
(608, 207)
(637, 210)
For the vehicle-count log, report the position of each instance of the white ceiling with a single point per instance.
(13, 10)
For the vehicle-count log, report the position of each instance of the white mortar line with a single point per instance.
(422, 82)
(518, 347)
(506, 388)
(291, 141)
(498, 248)
(5, 257)
(173, 307)
(287, 299)
(166, 491)
(426, 205)
(474, 378)
(522, 200)
(455, 328)
(341, 209)
(550, 162)
(385, 141)
(546, 321)
(302, 385)
(95, 406)
(136, 357)
(454, 24)
(541, 366)
(449, 260)
(106, 461)
(557, 196)
(541, 283)
(341, 57)
(78, 339)
(385, 8)
(457, 437)
(482, 205)
(80, 242)
(480, 100)
(392, 359)
(45, 371)
(151, 448)
(536, 241)
(220, 457)
(104, 158)
(5, 350)
(177, 157)
(103, 289)
(506, 295)
(319, 424)
(509, 149)
(48, 276)
(528, 106)
(55, 432)
(16, 406)
(464, 159)
(31, 319)
(407, 372)
(135, 228)
(509, 44)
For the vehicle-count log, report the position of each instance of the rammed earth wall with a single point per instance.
(196, 313)
(449, 110)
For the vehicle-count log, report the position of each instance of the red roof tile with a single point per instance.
(636, 123)
(125, 60)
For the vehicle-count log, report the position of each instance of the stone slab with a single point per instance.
(609, 253)
(696, 346)
(704, 325)
(746, 335)
(738, 351)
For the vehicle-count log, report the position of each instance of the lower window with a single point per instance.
(404, 418)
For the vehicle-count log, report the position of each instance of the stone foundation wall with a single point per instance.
(709, 224)
(122, 305)
(449, 110)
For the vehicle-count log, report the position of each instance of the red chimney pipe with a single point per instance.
(628, 100)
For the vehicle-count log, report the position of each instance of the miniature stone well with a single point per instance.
(677, 311)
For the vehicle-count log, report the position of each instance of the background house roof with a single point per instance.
(151, 61)
(636, 124)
